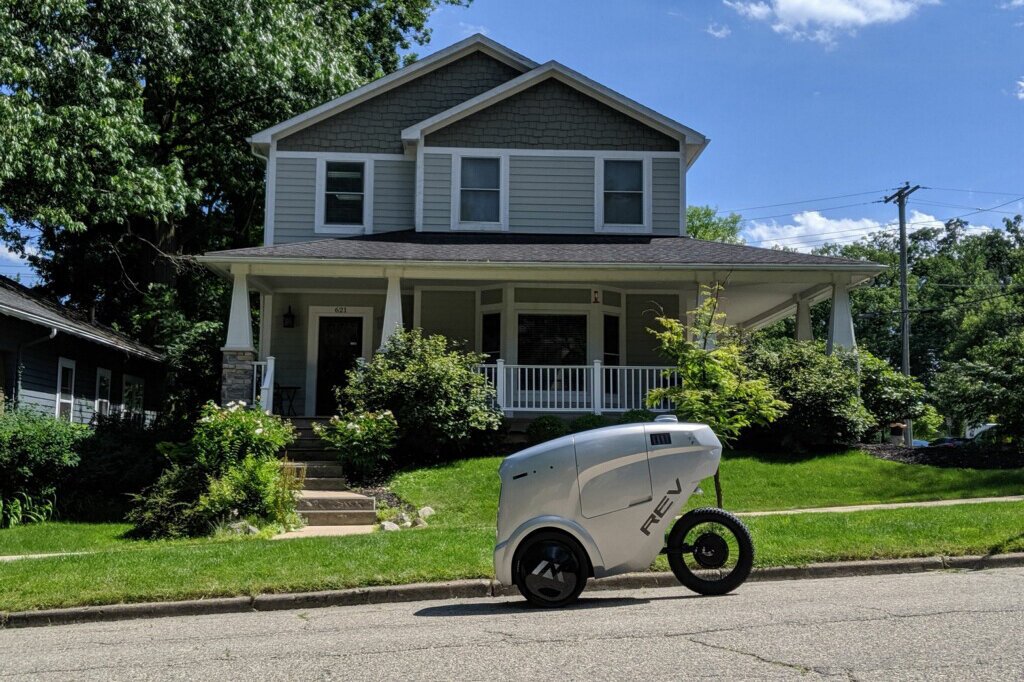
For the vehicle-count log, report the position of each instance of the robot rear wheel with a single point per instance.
(550, 568)
(710, 551)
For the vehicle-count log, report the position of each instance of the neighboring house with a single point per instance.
(521, 208)
(54, 362)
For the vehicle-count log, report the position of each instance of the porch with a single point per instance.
(562, 329)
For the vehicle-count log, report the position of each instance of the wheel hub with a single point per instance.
(711, 550)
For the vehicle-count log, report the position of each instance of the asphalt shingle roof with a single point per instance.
(523, 248)
(19, 301)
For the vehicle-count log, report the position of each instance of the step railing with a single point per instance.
(592, 388)
(263, 384)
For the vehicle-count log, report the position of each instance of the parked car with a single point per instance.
(919, 443)
(947, 442)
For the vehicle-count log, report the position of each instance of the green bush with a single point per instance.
(543, 429)
(229, 468)
(118, 459)
(825, 410)
(363, 441)
(36, 453)
(23, 508)
(637, 417)
(890, 396)
(439, 399)
(589, 421)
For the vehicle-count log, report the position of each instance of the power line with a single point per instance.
(936, 203)
(971, 191)
(815, 210)
(805, 201)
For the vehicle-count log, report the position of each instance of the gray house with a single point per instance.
(521, 208)
(54, 362)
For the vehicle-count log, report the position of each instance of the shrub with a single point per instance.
(434, 391)
(589, 421)
(636, 417)
(36, 453)
(890, 396)
(228, 467)
(825, 411)
(118, 459)
(363, 440)
(22, 509)
(546, 428)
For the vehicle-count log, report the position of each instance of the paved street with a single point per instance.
(925, 626)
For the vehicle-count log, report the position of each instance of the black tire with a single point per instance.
(550, 568)
(698, 542)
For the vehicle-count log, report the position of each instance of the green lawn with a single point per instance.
(460, 539)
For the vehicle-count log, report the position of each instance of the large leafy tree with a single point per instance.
(122, 135)
(704, 222)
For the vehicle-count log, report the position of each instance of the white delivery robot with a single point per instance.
(598, 503)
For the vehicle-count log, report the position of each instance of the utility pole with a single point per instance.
(900, 197)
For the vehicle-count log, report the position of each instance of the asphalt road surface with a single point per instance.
(948, 625)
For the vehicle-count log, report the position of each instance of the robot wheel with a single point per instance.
(710, 551)
(550, 568)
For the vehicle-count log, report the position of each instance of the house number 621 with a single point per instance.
(341, 309)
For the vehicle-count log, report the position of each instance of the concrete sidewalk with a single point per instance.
(892, 505)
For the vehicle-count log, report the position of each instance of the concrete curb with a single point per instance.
(475, 589)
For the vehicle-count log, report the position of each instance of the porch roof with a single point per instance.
(544, 249)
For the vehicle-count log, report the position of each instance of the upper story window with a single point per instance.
(623, 192)
(344, 193)
(480, 190)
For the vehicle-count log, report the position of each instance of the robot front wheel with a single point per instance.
(710, 551)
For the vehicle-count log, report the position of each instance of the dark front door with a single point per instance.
(339, 345)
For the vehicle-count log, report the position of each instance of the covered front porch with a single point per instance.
(559, 338)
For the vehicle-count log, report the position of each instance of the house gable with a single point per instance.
(551, 115)
(375, 125)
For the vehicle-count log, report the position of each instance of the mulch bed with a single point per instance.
(963, 457)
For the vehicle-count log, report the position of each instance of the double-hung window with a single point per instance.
(132, 399)
(479, 192)
(622, 197)
(344, 193)
(102, 406)
(66, 389)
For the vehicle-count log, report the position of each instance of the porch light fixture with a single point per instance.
(288, 319)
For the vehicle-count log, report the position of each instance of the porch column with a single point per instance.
(803, 320)
(238, 352)
(392, 309)
(840, 322)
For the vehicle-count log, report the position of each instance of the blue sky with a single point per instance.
(802, 99)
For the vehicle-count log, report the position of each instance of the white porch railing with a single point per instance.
(263, 384)
(576, 388)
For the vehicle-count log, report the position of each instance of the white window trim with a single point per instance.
(103, 372)
(456, 190)
(319, 226)
(63, 362)
(315, 313)
(648, 198)
(127, 379)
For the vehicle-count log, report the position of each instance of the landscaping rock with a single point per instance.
(243, 528)
(407, 524)
(419, 523)
(389, 526)
(426, 512)
(402, 519)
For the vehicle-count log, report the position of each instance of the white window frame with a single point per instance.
(646, 227)
(63, 363)
(322, 227)
(103, 372)
(456, 191)
(133, 380)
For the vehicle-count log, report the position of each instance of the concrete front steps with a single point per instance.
(326, 503)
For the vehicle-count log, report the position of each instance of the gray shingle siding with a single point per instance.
(394, 195)
(551, 115)
(437, 191)
(295, 202)
(376, 125)
(551, 193)
(665, 191)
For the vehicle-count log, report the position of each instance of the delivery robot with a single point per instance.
(599, 503)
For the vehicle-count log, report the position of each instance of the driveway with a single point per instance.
(935, 625)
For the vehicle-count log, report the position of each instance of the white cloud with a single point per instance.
(810, 229)
(1020, 89)
(1013, 4)
(823, 20)
(470, 29)
(718, 30)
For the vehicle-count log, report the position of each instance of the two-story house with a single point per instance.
(520, 208)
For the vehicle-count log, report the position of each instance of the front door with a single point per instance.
(339, 345)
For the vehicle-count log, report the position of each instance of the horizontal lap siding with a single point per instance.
(551, 194)
(666, 191)
(295, 200)
(437, 191)
(394, 191)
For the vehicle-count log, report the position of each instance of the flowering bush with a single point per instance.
(225, 435)
(363, 440)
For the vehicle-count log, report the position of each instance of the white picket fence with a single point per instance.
(592, 388)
